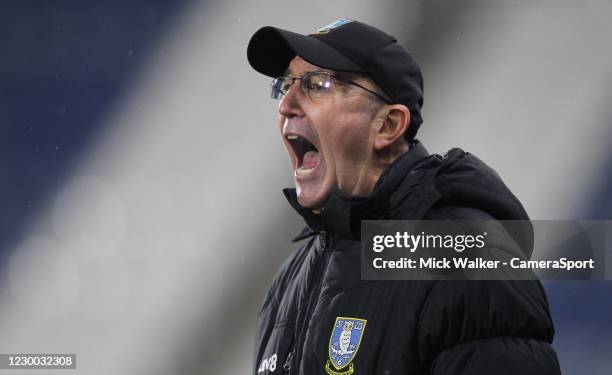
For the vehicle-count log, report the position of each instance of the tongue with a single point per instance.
(310, 159)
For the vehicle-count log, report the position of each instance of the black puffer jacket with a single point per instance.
(403, 327)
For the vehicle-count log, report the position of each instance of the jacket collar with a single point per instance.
(342, 215)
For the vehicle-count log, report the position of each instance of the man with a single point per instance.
(350, 107)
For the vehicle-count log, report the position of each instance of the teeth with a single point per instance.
(301, 171)
(292, 137)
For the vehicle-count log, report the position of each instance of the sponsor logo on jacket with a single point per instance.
(268, 364)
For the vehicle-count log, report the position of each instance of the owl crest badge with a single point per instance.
(344, 344)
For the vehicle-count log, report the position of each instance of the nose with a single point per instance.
(291, 104)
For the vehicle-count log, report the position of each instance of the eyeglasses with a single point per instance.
(315, 85)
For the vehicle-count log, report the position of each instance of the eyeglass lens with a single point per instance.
(313, 84)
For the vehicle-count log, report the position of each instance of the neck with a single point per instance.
(379, 162)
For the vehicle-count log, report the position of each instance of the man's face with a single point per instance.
(335, 133)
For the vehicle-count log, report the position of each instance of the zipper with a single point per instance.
(294, 358)
(287, 365)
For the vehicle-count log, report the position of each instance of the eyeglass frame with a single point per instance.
(331, 75)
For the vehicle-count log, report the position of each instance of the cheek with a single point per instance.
(344, 135)
(353, 144)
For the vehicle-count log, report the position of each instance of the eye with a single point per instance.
(280, 87)
(318, 83)
(286, 85)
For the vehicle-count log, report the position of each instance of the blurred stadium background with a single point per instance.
(140, 166)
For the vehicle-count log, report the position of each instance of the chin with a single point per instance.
(311, 199)
(314, 189)
(309, 202)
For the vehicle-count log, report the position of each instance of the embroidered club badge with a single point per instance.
(344, 344)
(327, 28)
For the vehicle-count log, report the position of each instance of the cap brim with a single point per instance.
(271, 49)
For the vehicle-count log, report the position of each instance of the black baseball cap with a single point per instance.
(347, 46)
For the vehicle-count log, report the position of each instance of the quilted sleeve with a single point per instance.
(487, 327)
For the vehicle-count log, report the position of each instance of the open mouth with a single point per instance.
(307, 155)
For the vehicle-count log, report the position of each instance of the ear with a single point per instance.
(396, 119)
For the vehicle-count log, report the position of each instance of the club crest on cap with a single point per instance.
(344, 344)
(327, 28)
